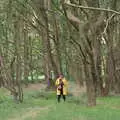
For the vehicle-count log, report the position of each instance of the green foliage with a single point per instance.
(36, 78)
(56, 4)
(42, 105)
(2, 96)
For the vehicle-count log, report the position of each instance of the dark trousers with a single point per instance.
(59, 97)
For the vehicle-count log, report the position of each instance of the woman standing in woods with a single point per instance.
(61, 84)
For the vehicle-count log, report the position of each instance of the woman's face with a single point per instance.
(61, 76)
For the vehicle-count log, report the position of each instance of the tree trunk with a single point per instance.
(18, 34)
(91, 93)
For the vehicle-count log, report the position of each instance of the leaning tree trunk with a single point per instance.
(48, 57)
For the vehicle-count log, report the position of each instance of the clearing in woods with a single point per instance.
(42, 105)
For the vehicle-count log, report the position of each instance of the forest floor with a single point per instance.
(42, 105)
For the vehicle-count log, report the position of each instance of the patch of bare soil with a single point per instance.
(73, 88)
(37, 86)
(76, 90)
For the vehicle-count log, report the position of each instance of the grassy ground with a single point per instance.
(43, 106)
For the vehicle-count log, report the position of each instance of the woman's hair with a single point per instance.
(61, 75)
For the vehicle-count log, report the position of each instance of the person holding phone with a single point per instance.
(61, 86)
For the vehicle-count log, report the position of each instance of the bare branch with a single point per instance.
(107, 23)
(92, 8)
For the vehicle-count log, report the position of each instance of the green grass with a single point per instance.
(43, 106)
